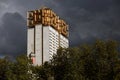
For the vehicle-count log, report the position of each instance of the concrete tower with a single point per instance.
(45, 34)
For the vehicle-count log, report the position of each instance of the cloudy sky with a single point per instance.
(88, 20)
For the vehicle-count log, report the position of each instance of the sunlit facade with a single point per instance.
(45, 34)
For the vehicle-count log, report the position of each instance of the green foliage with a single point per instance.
(17, 70)
(4, 69)
(20, 68)
(43, 72)
(99, 61)
(88, 62)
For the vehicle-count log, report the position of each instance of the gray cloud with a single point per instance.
(92, 19)
(88, 20)
(12, 34)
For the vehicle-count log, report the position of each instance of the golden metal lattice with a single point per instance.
(47, 17)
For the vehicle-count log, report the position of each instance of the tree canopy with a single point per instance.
(98, 61)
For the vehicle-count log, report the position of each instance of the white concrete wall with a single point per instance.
(50, 42)
(46, 43)
(38, 44)
(64, 42)
(30, 41)
(53, 41)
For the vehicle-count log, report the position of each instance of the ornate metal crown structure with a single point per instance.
(47, 17)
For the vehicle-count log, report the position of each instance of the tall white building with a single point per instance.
(46, 33)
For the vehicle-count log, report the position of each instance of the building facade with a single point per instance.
(45, 34)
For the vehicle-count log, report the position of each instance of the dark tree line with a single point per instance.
(99, 61)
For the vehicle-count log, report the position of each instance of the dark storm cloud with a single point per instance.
(88, 20)
(91, 19)
(12, 34)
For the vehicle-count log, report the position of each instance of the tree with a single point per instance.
(21, 68)
(43, 72)
(88, 62)
(4, 69)
(98, 61)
